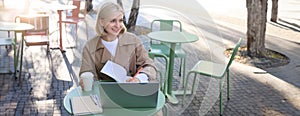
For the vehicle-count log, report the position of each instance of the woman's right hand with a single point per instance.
(81, 83)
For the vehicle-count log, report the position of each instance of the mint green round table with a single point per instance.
(172, 37)
(114, 111)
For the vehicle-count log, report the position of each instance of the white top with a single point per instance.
(111, 46)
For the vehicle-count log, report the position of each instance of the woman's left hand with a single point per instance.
(81, 83)
(133, 80)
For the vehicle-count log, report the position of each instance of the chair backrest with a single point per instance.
(39, 21)
(165, 25)
(236, 48)
(75, 13)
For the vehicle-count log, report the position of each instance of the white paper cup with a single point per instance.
(88, 79)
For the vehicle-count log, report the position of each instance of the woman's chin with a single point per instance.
(116, 33)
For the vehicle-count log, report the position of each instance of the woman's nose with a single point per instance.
(118, 24)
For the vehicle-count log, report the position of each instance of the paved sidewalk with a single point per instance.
(253, 91)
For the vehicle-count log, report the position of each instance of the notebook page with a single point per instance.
(115, 71)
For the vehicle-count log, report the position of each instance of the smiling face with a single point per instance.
(109, 21)
(113, 25)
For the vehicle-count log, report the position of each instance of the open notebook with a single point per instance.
(84, 105)
(115, 71)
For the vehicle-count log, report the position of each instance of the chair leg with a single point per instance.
(185, 86)
(220, 97)
(182, 67)
(161, 81)
(152, 56)
(48, 49)
(194, 81)
(15, 55)
(183, 71)
(166, 113)
(228, 86)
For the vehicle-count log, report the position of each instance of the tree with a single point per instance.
(121, 4)
(256, 27)
(274, 10)
(89, 5)
(133, 14)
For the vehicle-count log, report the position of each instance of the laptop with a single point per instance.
(128, 95)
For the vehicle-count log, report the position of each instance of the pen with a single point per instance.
(97, 99)
(136, 73)
(94, 100)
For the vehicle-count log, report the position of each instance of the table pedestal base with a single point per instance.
(180, 92)
(172, 98)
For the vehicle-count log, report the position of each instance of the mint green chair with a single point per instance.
(163, 82)
(213, 70)
(164, 48)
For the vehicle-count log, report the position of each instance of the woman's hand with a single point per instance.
(81, 83)
(140, 78)
(133, 80)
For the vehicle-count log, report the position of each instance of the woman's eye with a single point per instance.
(113, 21)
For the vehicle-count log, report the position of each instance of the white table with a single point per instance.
(17, 28)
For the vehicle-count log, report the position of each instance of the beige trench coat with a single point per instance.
(130, 54)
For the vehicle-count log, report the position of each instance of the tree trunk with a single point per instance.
(121, 4)
(274, 10)
(89, 5)
(256, 27)
(133, 15)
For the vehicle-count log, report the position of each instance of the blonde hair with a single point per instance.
(106, 11)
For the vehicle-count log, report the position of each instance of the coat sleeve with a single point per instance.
(146, 62)
(87, 62)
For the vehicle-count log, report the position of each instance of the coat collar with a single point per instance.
(124, 40)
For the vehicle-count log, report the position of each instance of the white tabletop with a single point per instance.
(12, 26)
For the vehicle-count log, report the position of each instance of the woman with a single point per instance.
(114, 43)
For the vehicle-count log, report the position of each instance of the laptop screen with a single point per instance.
(128, 95)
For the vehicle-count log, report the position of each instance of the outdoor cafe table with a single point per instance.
(59, 9)
(17, 28)
(114, 111)
(173, 38)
